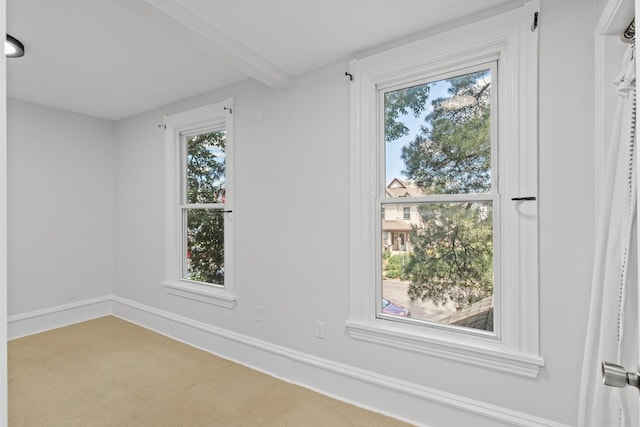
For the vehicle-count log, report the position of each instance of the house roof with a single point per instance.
(478, 315)
(398, 188)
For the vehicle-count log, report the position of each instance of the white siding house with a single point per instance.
(398, 220)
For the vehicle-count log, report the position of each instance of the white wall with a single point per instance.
(291, 213)
(566, 196)
(61, 207)
(3, 233)
(292, 216)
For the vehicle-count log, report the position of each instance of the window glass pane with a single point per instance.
(205, 245)
(438, 135)
(437, 266)
(206, 167)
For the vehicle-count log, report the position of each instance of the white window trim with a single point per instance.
(406, 212)
(511, 38)
(201, 118)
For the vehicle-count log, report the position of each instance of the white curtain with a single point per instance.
(612, 333)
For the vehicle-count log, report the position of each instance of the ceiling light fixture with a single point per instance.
(13, 48)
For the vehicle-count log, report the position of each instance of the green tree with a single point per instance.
(205, 227)
(453, 247)
(401, 102)
(453, 155)
(453, 254)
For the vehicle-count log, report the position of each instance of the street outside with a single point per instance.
(396, 292)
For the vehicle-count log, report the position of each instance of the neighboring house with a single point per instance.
(398, 219)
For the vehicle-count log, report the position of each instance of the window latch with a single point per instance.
(523, 199)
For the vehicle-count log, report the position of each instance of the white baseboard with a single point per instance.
(411, 402)
(33, 322)
(400, 399)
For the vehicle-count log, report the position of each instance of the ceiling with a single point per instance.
(115, 58)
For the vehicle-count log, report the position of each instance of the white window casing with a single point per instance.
(511, 38)
(218, 115)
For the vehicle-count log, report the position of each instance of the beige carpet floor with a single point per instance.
(108, 372)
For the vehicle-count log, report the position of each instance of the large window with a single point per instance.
(444, 143)
(438, 142)
(199, 164)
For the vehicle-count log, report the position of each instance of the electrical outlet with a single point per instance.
(258, 313)
(319, 329)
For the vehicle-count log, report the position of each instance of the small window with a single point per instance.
(203, 204)
(199, 204)
(406, 212)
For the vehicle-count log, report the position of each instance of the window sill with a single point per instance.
(202, 293)
(492, 355)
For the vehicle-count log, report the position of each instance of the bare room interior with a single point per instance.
(423, 209)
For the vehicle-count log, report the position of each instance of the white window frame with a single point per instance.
(406, 212)
(491, 196)
(177, 125)
(512, 39)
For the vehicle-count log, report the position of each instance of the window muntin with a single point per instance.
(439, 143)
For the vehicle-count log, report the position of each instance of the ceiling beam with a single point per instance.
(190, 28)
